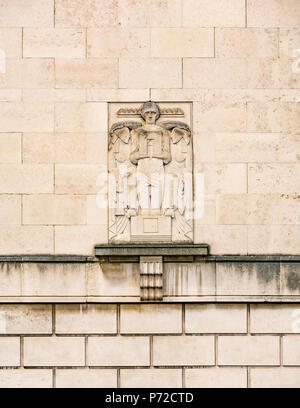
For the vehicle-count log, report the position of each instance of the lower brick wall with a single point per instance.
(150, 345)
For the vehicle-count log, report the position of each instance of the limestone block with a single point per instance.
(54, 95)
(10, 282)
(67, 242)
(118, 42)
(54, 147)
(223, 239)
(248, 350)
(46, 279)
(27, 13)
(118, 351)
(288, 41)
(231, 209)
(96, 210)
(264, 73)
(10, 95)
(289, 71)
(10, 147)
(217, 73)
(82, 378)
(85, 13)
(185, 350)
(54, 351)
(212, 318)
(219, 377)
(184, 279)
(54, 42)
(119, 95)
(248, 147)
(87, 318)
(26, 117)
(26, 239)
(21, 378)
(151, 378)
(26, 319)
(268, 239)
(28, 73)
(220, 117)
(150, 319)
(9, 351)
(204, 145)
(150, 73)
(246, 42)
(182, 42)
(207, 216)
(11, 42)
(275, 318)
(273, 178)
(254, 278)
(77, 179)
(109, 279)
(223, 178)
(215, 13)
(27, 178)
(291, 350)
(273, 209)
(54, 209)
(280, 13)
(160, 13)
(275, 377)
(290, 284)
(10, 209)
(81, 117)
(86, 73)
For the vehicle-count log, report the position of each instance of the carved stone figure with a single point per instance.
(150, 183)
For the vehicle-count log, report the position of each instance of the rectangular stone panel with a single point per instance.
(225, 377)
(25, 319)
(180, 351)
(118, 351)
(88, 318)
(213, 318)
(151, 378)
(248, 350)
(54, 351)
(26, 378)
(83, 378)
(150, 319)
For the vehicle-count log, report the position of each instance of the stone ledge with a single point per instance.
(177, 250)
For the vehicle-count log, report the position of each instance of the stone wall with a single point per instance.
(66, 59)
(228, 319)
(174, 345)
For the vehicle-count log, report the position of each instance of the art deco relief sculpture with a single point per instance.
(150, 176)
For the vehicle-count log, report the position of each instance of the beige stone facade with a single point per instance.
(186, 345)
(230, 319)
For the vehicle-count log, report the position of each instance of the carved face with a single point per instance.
(150, 117)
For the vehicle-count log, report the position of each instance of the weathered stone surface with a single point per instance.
(254, 278)
(215, 318)
(118, 351)
(21, 378)
(151, 319)
(54, 351)
(245, 350)
(216, 377)
(151, 378)
(82, 378)
(275, 377)
(82, 319)
(26, 319)
(187, 350)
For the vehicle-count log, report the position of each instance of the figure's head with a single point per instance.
(150, 112)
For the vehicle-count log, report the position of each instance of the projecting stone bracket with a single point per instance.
(151, 259)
